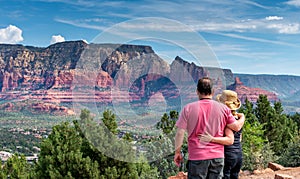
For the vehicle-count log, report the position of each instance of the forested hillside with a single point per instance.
(82, 150)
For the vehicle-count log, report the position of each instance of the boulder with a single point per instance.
(275, 166)
(180, 175)
(283, 176)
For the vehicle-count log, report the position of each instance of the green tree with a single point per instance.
(128, 137)
(61, 157)
(16, 167)
(291, 156)
(113, 154)
(109, 119)
(263, 109)
(167, 122)
(278, 107)
(165, 145)
(282, 131)
(279, 128)
(2, 174)
(253, 139)
(296, 118)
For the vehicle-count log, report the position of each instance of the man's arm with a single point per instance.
(238, 124)
(178, 143)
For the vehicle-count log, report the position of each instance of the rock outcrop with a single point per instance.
(103, 73)
(251, 94)
(275, 172)
(36, 107)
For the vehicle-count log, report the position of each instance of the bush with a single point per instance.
(291, 156)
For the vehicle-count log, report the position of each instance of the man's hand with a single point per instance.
(178, 158)
(178, 143)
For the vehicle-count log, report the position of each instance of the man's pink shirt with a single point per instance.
(200, 117)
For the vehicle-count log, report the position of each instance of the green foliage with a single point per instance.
(267, 132)
(69, 153)
(282, 132)
(92, 149)
(16, 167)
(263, 109)
(114, 155)
(165, 145)
(267, 155)
(291, 156)
(2, 174)
(128, 137)
(253, 138)
(296, 118)
(162, 151)
(17, 142)
(109, 119)
(61, 156)
(278, 128)
(167, 122)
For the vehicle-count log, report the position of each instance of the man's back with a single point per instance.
(204, 116)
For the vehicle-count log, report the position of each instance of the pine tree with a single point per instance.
(16, 167)
(165, 145)
(279, 129)
(128, 137)
(296, 118)
(291, 156)
(278, 107)
(61, 157)
(282, 131)
(114, 155)
(263, 109)
(109, 119)
(253, 139)
(167, 122)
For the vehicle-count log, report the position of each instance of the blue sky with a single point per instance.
(253, 37)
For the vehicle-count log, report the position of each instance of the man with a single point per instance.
(205, 116)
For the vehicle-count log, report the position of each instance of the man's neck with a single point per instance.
(205, 96)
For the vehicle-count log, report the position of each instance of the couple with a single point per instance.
(205, 122)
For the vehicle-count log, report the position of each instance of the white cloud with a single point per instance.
(82, 23)
(227, 26)
(11, 35)
(56, 39)
(271, 18)
(256, 39)
(286, 28)
(294, 3)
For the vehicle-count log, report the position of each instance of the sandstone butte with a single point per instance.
(57, 75)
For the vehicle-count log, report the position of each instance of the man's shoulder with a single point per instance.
(216, 103)
(213, 102)
(220, 106)
(192, 103)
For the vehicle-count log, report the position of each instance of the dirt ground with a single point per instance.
(285, 173)
(270, 174)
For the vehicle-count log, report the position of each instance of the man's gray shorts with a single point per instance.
(206, 169)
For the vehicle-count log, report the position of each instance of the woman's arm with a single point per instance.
(228, 139)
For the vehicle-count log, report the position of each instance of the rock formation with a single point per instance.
(251, 94)
(103, 73)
